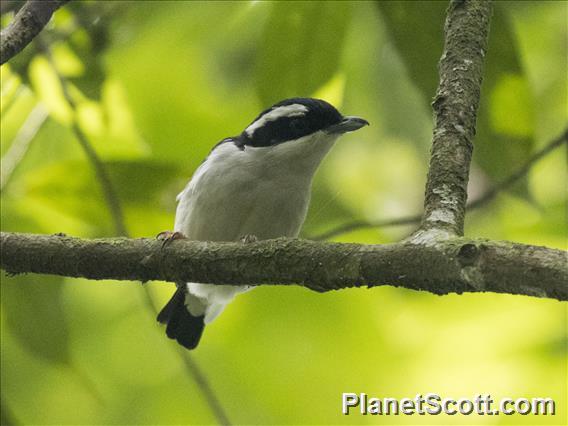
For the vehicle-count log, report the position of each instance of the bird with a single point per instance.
(254, 186)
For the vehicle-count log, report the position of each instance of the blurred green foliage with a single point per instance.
(301, 46)
(157, 84)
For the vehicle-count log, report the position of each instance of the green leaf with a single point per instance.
(153, 176)
(416, 28)
(73, 182)
(34, 310)
(89, 53)
(504, 125)
(88, 43)
(183, 103)
(511, 108)
(300, 48)
(496, 151)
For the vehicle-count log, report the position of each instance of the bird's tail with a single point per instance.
(181, 325)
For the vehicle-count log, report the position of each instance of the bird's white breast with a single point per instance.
(256, 191)
(262, 191)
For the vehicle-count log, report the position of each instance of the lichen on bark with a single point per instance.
(455, 265)
(455, 112)
(435, 259)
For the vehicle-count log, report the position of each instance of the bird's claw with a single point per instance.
(168, 236)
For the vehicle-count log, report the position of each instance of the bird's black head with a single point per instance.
(294, 118)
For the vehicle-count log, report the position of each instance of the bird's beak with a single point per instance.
(348, 124)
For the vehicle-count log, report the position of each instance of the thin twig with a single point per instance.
(6, 106)
(21, 143)
(487, 196)
(104, 179)
(521, 171)
(360, 224)
(206, 389)
(100, 170)
(113, 203)
(198, 375)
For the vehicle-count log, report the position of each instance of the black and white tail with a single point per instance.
(180, 324)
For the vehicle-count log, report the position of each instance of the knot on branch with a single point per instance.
(468, 254)
(468, 257)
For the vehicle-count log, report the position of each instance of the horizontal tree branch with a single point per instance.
(27, 24)
(454, 265)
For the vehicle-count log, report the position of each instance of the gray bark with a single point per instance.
(27, 23)
(435, 259)
(457, 265)
(455, 112)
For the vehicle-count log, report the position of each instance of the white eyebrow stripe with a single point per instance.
(293, 110)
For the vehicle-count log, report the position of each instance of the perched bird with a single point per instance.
(254, 184)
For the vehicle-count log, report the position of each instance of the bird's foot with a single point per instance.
(168, 236)
(249, 238)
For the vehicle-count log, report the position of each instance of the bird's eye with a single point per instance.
(298, 125)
